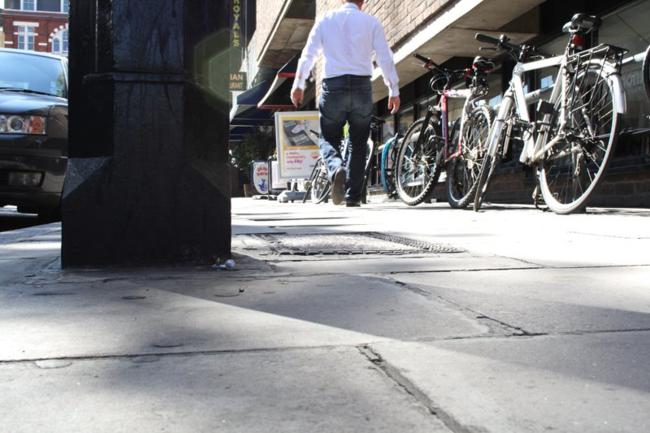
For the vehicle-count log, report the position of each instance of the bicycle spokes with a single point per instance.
(575, 163)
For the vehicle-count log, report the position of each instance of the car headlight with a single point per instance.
(16, 124)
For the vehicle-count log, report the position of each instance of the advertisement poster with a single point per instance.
(297, 143)
(261, 177)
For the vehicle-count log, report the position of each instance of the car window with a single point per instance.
(35, 73)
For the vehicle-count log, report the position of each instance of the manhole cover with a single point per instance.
(351, 243)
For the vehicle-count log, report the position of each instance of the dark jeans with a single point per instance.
(347, 98)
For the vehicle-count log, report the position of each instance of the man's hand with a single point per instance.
(297, 95)
(393, 104)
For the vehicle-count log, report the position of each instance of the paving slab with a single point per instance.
(596, 383)
(371, 305)
(122, 318)
(317, 391)
(138, 315)
(394, 264)
(548, 300)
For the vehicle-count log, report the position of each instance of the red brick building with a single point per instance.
(38, 25)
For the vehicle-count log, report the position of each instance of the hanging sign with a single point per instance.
(237, 80)
(261, 177)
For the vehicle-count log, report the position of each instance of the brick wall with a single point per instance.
(47, 25)
(399, 18)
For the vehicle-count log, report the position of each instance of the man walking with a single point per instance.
(348, 39)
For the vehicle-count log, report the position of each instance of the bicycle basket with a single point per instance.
(608, 53)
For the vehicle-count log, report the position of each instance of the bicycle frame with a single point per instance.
(535, 146)
(471, 97)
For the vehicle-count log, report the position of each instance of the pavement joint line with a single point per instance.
(362, 347)
(179, 354)
(528, 268)
(473, 314)
(530, 335)
(395, 375)
(528, 262)
(442, 271)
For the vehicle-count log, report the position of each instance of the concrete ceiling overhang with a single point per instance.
(290, 33)
(289, 39)
(451, 34)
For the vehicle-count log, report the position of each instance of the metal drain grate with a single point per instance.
(351, 244)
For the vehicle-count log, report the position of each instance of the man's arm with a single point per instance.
(306, 63)
(384, 58)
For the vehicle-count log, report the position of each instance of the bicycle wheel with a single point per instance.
(417, 167)
(310, 182)
(320, 186)
(388, 158)
(574, 166)
(463, 170)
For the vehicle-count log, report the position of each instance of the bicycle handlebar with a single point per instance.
(422, 58)
(501, 42)
(428, 63)
(487, 39)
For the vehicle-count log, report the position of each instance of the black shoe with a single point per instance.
(352, 204)
(338, 186)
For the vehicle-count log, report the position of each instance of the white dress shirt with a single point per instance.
(348, 39)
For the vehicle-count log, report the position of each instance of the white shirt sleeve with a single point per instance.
(308, 58)
(384, 57)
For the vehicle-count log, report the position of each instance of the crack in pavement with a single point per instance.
(395, 376)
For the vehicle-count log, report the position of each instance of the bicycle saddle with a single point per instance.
(582, 23)
(482, 64)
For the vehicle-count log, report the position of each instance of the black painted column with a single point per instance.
(148, 179)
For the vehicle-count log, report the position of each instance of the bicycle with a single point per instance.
(388, 163)
(573, 139)
(430, 144)
(319, 183)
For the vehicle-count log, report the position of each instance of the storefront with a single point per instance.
(624, 25)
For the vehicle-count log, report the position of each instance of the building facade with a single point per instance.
(37, 25)
(274, 42)
(444, 31)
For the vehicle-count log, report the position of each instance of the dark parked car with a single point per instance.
(33, 130)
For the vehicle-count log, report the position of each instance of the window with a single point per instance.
(26, 37)
(28, 5)
(40, 73)
(627, 28)
(65, 6)
(388, 130)
(60, 42)
(406, 119)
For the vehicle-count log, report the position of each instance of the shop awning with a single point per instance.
(239, 133)
(278, 96)
(249, 99)
(252, 117)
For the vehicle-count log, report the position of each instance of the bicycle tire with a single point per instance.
(462, 171)
(646, 72)
(485, 176)
(320, 187)
(388, 157)
(426, 167)
(571, 159)
(310, 182)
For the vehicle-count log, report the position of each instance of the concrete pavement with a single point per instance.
(510, 320)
